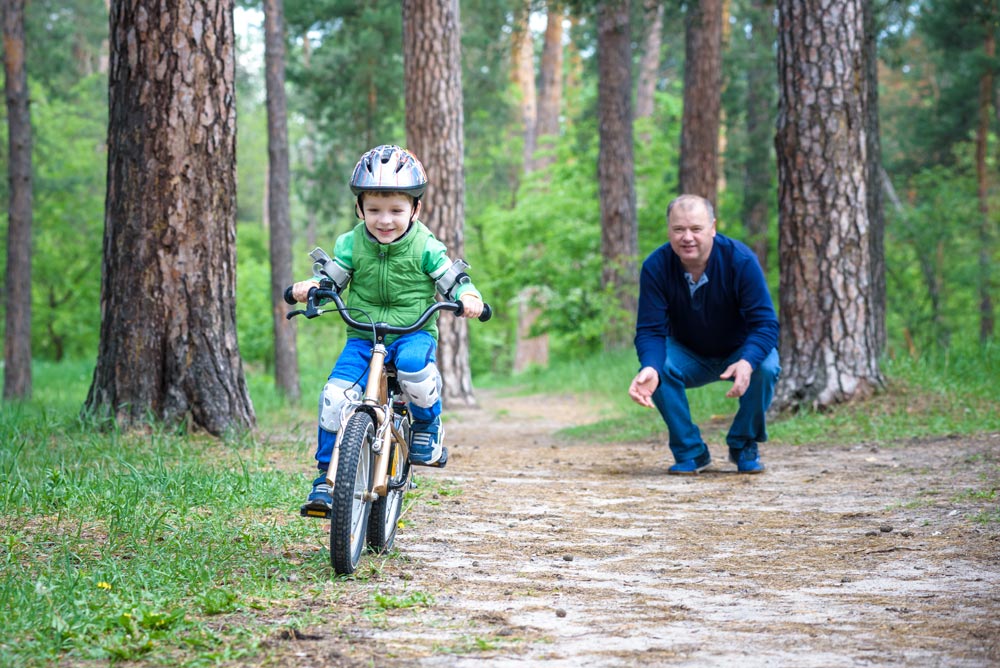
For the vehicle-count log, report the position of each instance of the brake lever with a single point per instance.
(310, 311)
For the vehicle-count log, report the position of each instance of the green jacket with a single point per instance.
(393, 282)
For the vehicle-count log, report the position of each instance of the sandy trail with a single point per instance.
(536, 550)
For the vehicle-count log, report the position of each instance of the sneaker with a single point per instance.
(319, 503)
(425, 445)
(746, 459)
(691, 466)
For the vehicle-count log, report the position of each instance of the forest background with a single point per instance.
(523, 229)
(98, 526)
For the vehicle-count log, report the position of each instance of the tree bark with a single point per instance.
(523, 77)
(616, 170)
(987, 319)
(698, 173)
(874, 203)
(168, 346)
(829, 345)
(550, 91)
(757, 187)
(286, 359)
(434, 125)
(17, 335)
(649, 64)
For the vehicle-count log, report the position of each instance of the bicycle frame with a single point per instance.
(369, 441)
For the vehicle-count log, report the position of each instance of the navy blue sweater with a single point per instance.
(733, 311)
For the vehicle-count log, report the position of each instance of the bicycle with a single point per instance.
(370, 469)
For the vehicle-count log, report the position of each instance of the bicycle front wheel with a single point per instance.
(387, 509)
(349, 523)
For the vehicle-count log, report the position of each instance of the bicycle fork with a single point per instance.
(377, 404)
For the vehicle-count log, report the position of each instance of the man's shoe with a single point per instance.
(319, 503)
(425, 445)
(747, 460)
(691, 466)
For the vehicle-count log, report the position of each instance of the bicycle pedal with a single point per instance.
(319, 512)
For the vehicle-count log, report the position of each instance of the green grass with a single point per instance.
(953, 394)
(129, 547)
(160, 547)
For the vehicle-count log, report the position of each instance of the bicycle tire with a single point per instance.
(349, 524)
(386, 510)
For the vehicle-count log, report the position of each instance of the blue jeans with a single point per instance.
(409, 353)
(686, 369)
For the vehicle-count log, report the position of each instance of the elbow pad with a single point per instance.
(324, 265)
(453, 277)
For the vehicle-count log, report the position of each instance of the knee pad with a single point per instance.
(331, 403)
(421, 388)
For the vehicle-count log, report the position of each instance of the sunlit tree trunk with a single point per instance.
(649, 63)
(168, 345)
(699, 159)
(523, 77)
(758, 191)
(17, 334)
(286, 360)
(615, 170)
(434, 121)
(829, 346)
(550, 91)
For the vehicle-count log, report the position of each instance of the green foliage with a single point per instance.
(66, 40)
(551, 239)
(69, 132)
(932, 295)
(68, 219)
(253, 295)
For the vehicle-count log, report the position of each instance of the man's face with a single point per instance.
(691, 234)
(387, 215)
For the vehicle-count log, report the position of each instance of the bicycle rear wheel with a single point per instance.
(387, 509)
(349, 523)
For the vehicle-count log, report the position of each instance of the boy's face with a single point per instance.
(387, 215)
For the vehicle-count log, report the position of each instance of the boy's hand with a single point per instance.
(472, 305)
(300, 291)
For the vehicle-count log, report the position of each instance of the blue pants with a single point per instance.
(410, 353)
(686, 369)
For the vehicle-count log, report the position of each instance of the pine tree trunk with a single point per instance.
(286, 359)
(434, 125)
(829, 346)
(616, 170)
(550, 91)
(168, 345)
(702, 100)
(876, 207)
(523, 77)
(649, 64)
(757, 186)
(17, 335)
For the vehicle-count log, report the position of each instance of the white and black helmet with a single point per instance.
(389, 168)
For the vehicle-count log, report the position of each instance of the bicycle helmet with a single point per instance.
(389, 168)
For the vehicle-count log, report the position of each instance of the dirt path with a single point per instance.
(540, 551)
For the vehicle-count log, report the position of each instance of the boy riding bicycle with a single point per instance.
(394, 265)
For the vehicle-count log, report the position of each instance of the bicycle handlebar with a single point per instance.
(312, 310)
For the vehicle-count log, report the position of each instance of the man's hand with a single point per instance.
(472, 306)
(740, 371)
(300, 291)
(643, 385)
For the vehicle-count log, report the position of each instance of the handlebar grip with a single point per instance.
(486, 314)
(289, 299)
